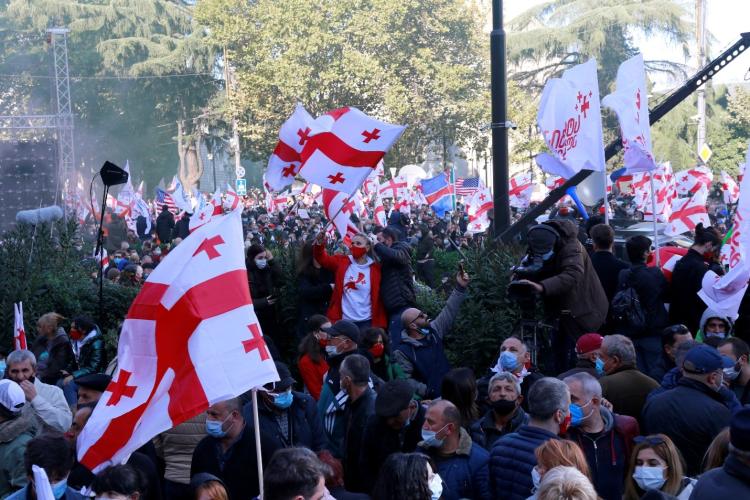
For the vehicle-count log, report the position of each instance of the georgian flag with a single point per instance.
(571, 122)
(344, 147)
(392, 188)
(478, 207)
(724, 294)
(737, 248)
(520, 189)
(285, 161)
(688, 213)
(693, 180)
(189, 340)
(19, 332)
(232, 199)
(379, 212)
(338, 208)
(630, 103)
(730, 188)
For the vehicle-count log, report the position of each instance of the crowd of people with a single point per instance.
(370, 406)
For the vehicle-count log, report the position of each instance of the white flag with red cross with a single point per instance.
(478, 209)
(692, 180)
(285, 161)
(520, 189)
(232, 199)
(393, 188)
(730, 188)
(344, 147)
(338, 208)
(189, 340)
(724, 294)
(379, 212)
(688, 213)
(630, 103)
(571, 122)
(207, 212)
(737, 247)
(19, 332)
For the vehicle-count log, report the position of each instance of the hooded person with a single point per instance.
(714, 325)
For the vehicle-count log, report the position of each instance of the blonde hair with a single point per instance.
(667, 451)
(211, 490)
(717, 452)
(558, 452)
(566, 483)
(51, 318)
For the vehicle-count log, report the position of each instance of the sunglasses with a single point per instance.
(420, 316)
(652, 440)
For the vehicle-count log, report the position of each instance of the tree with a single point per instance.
(423, 64)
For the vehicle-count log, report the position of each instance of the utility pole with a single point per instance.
(700, 38)
(499, 120)
(239, 170)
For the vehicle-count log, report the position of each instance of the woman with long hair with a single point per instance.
(407, 475)
(52, 348)
(460, 388)
(717, 452)
(656, 464)
(314, 286)
(556, 453)
(311, 362)
(377, 343)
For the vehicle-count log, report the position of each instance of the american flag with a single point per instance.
(467, 187)
(164, 198)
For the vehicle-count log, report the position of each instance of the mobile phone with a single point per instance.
(461, 267)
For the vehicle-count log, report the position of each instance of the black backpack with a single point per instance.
(626, 310)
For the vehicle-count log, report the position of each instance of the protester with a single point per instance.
(606, 265)
(687, 277)
(460, 388)
(505, 414)
(566, 483)
(425, 257)
(655, 464)
(294, 473)
(407, 476)
(264, 275)
(605, 438)
(693, 413)
(312, 363)
(651, 289)
(714, 325)
(557, 453)
(515, 358)
(206, 486)
(671, 338)
(395, 428)
(462, 465)
(120, 481)
(512, 458)
(87, 343)
(356, 292)
(589, 360)
(739, 375)
(51, 348)
(17, 428)
(420, 353)
(91, 387)
(623, 385)
(314, 286)
(397, 282)
(175, 447)
(377, 343)
(47, 401)
(165, 225)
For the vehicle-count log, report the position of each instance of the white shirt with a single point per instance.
(356, 300)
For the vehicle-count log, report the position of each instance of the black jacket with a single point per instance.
(356, 416)
(731, 481)
(182, 228)
(117, 232)
(264, 283)
(425, 248)
(314, 291)
(396, 282)
(687, 280)
(165, 226)
(485, 434)
(692, 414)
(608, 268)
(91, 357)
(652, 289)
(52, 356)
(238, 468)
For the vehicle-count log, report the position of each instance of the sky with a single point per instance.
(725, 20)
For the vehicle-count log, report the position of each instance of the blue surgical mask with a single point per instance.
(649, 478)
(599, 366)
(430, 438)
(3, 366)
(424, 331)
(58, 489)
(214, 428)
(261, 263)
(331, 351)
(508, 361)
(576, 415)
(283, 400)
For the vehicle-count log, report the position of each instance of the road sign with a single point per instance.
(241, 186)
(705, 153)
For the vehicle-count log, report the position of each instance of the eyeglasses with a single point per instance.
(652, 440)
(420, 316)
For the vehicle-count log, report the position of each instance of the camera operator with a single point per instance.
(558, 269)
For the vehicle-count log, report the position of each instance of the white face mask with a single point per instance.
(436, 486)
(649, 478)
(261, 263)
(536, 478)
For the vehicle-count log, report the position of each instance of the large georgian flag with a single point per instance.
(190, 339)
(285, 161)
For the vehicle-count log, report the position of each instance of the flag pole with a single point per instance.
(606, 199)
(258, 456)
(653, 212)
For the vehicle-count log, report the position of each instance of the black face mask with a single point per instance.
(502, 407)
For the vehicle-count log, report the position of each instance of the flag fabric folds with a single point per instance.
(19, 332)
(438, 191)
(285, 161)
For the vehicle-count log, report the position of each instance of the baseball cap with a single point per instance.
(285, 378)
(393, 398)
(588, 342)
(95, 381)
(12, 397)
(344, 328)
(705, 359)
(739, 429)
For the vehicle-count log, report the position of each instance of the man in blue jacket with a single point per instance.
(512, 458)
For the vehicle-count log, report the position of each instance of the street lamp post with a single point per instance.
(499, 120)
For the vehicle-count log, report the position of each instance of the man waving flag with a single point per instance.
(190, 339)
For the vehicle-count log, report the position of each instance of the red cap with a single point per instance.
(588, 342)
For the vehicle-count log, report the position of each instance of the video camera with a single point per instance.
(535, 266)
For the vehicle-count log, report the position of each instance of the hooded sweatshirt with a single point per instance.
(708, 314)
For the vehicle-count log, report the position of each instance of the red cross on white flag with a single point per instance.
(19, 332)
(344, 147)
(478, 208)
(520, 189)
(693, 180)
(688, 213)
(737, 249)
(379, 212)
(284, 163)
(338, 204)
(189, 340)
(232, 199)
(730, 188)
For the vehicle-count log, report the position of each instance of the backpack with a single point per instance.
(626, 309)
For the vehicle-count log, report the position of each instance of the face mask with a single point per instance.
(576, 414)
(214, 428)
(536, 478)
(430, 439)
(732, 373)
(377, 350)
(436, 487)
(502, 407)
(717, 335)
(261, 263)
(322, 342)
(283, 400)
(649, 478)
(721, 382)
(358, 252)
(76, 334)
(332, 351)
(599, 365)
(58, 489)
(508, 361)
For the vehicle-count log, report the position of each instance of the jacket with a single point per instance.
(652, 289)
(627, 390)
(25, 494)
(608, 452)
(397, 281)
(165, 226)
(263, 283)
(485, 433)
(52, 356)
(238, 468)
(50, 407)
(381, 440)
(731, 481)
(687, 280)
(14, 434)
(176, 446)
(670, 379)
(582, 366)
(465, 472)
(708, 314)
(312, 374)
(423, 361)
(314, 291)
(356, 417)
(511, 461)
(182, 227)
(91, 355)
(692, 414)
(529, 378)
(338, 264)
(608, 268)
(575, 286)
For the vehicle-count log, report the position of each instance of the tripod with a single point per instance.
(536, 335)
